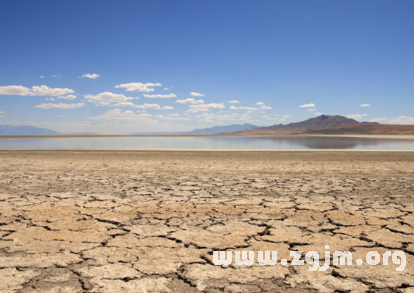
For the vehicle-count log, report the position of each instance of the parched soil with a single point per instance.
(149, 221)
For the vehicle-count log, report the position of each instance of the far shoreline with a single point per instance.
(356, 135)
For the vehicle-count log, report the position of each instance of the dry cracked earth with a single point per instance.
(149, 221)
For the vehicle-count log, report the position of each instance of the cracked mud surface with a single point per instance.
(149, 221)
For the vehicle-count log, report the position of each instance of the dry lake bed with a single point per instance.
(149, 221)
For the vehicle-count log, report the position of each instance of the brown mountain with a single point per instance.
(313, 124)
(367, 128)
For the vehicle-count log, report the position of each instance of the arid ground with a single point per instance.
(149, 221)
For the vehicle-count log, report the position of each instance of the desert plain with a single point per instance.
(149, 221)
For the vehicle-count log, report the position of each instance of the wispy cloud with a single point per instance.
(124, 104)
(356, 116)
(259, 103)
(402, 120)
(138, 86)
(91, 76)
(233, 102)
(211, 117)
(318, 114)
(287, 116)
(205, 107)
(311, 110)
(307, 105)
(189, 101)
(243, 108)
(106, 98)
(68, 97)
(364, 105)
(172, 117)
(160, 96)
(60, 106)
(153, 106)
(194, 94)
(378, 119)
(18, 90)
(117, 114)
(266, 107)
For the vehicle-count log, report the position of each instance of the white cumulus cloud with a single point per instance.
(287, 116)
(356, 116)
(160, 96)
(364, 105)
(16, 90)
(91, 76)
(60, 106)
(106, 98)
(233, 102)
(189, 101)
(194, 94)
(138, 86)
(307, 105)
(319, 113)
(259, 103)
(42, 90)
(47, 91)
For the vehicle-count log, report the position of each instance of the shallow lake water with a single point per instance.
(215, 143)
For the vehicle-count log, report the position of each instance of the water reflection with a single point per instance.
(326, 143)
(247, 143)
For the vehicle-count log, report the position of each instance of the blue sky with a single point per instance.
(138, 66)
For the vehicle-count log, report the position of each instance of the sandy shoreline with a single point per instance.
(148, 221)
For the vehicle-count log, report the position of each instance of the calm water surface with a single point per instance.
(218, 143)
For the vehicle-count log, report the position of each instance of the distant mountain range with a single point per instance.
(323, 124)
(25, 130)
(207, 131)
(221, 129)
(31, 130)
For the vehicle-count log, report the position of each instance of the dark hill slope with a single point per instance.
(367, 128)
(312, 124)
